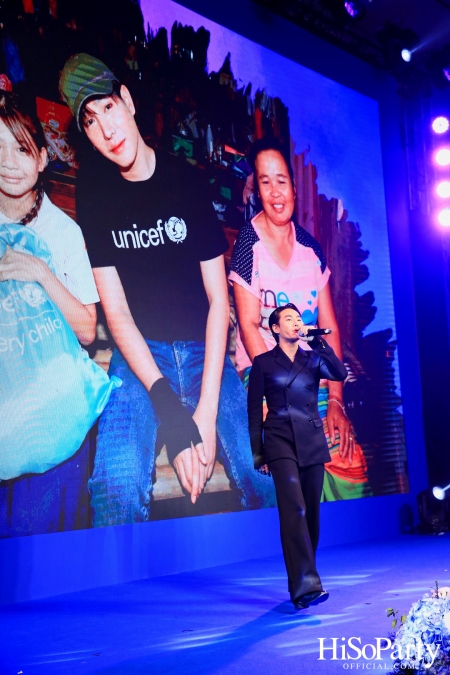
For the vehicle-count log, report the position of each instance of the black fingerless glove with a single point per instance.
(177, 428)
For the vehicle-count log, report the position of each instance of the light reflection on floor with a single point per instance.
(230, 620)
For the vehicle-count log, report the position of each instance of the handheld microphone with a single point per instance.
(314, 332)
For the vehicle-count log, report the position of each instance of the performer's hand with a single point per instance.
(304, 329)
(206, 422)
(264, 469)
(336, 419)
(191, 470)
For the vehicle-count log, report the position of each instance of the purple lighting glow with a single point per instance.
(440, 125)
(351, 9)
(446, 72)
(442, 157)
(444, 218)
(443, 189)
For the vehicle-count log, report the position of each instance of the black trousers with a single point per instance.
(298, 495)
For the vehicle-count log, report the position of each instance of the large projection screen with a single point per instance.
(83, 445)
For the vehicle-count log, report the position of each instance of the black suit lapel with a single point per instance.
(297, 365)
(281, 358)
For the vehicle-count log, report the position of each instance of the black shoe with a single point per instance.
(314, 598)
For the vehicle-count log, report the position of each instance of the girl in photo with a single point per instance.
(57, 499)
(23, 158)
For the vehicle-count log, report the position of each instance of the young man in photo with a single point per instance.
(156, 249)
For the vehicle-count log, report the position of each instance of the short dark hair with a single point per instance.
(267, 143)
(115, 93)
(274, 318)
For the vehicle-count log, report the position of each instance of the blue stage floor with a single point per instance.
(230, 620)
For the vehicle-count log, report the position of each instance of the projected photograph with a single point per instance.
(133, 300)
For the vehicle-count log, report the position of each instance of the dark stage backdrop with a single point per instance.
(203, 95)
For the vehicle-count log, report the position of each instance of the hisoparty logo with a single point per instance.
(366, 655)
(175, 229)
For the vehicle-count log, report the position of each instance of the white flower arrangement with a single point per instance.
(421, 643)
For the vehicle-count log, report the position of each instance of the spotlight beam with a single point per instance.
(439, 493)
(442, 157)
(440, 125)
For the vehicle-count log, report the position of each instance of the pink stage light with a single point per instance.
(440, 125)
(442, 157)
(443, 189)
(444, 218)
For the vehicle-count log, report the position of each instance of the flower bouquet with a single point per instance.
(421, 642)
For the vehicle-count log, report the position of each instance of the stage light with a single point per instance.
(442, 157)
(443, 189)
(351, 9)
(440, 125)
(444, 219)
(438, 66)
(434, 511)
(406, 55)
(355, 9)
(439, 493)
(345, 12)
(398, 46)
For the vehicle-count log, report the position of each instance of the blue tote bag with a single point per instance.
(51, 392)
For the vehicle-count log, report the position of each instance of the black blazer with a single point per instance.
(291, 391)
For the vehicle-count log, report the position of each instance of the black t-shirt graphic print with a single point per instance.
(155, 232)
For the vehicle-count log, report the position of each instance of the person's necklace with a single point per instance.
(32, 213)
(293, 356)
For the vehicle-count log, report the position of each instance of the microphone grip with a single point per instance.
(314, 332)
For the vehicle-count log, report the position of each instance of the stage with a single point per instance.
(228, 620)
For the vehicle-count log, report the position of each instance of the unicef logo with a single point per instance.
(176, 229)
(33, 295)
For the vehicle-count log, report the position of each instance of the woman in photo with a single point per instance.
(275, 262)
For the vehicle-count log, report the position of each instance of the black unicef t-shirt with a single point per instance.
(155, 232)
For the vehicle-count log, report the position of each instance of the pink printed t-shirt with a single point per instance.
(253, 268)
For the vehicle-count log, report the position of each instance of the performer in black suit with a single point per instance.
(291, 443)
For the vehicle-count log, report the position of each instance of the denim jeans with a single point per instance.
(121, 483)
(54, 501)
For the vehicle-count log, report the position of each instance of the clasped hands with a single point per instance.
(194, 465)
(190, 440)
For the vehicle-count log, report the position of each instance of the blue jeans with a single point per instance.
(121, 484)
(54, 501)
